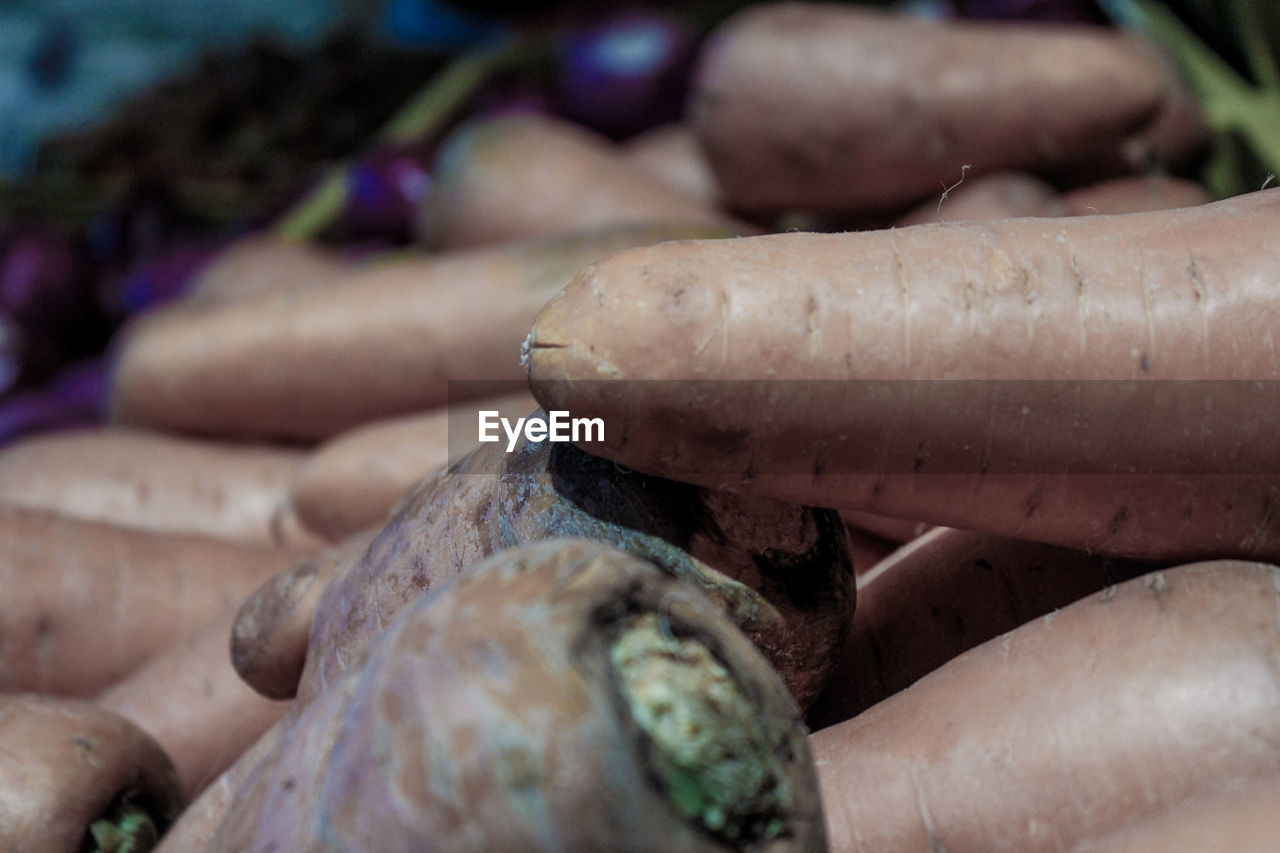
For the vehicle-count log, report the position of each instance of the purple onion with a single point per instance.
(1081, 11)
(154, 281)
(384, 188)
(45, 280)
(625, 74)
(75, 397)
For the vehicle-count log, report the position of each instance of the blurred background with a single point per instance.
(138, 137)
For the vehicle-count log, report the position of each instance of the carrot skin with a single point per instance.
(162, 482)
(1082, 340)
(944, 593)
(193, 702)
(840, 109)
(382, 341)
(523, 176)
(354, 480)
(271, 630)
(1125, 706)
(66, 764)
(87, 603)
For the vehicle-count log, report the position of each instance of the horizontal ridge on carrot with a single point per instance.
(1021, 348)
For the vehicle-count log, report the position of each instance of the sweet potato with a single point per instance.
(523, 176)
(258, 264)
(837, 109)
(86, 603)
(355, 479)
(193, 702)
(1014, 376)
(782, 571)
(160, 482)
(1126, 706)
(195, 826)
(76, 778)
(998, 195)
(1235, 822)
(382, 341)
(898, 530)
(941, 595)
(673, 153)
(271, 629)
(1135, 194)
(562, 696)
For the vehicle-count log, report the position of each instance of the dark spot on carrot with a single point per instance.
(1118, 520)
(1145, 363)
(983, 564)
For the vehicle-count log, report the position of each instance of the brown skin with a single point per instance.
(160, 482)
(941, 595)
(356, 478)
(782, 571)
(86, 603)
(895, 530)
(673, 153)
(998, 195)
(271, 629)
(1127, 705)
(1046, 306)
(197, 823)
(1134, 194)
(522, 176)
(258, 264)
(66, 765)
(383, 341)
(836, 109)
(1233, 822)
(483, 721)
(192, 701)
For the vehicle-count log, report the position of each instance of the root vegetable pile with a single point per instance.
(929, 497)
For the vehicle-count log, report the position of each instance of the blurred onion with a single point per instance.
(383, 190)
(1084, 11)
(46, 287)
(155, 280)
(625, 74)
(75, 397)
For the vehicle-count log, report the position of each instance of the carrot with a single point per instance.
(76, 778)
(782, 571)
(522, 176)
(161, 482)
(271, 629)
(192, 701)
(355, 479)
(944, 593)
(1230, 822)
(997, 195)
(1126, 706)
(1016, 376)
(1135, 194)
(838, 109)
(86, 603)
(562, 696)
(673, 153)
(195, 826)
(258, 263)
(895, 530)
(383, 341)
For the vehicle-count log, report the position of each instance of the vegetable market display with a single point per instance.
(918, 485)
